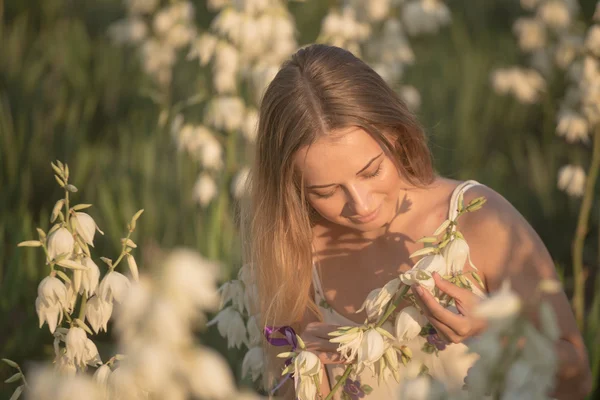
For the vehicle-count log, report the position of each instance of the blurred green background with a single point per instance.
(68, 93)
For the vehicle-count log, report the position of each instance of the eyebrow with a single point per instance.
(358, 173)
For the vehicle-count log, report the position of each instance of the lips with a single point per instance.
(369, 217)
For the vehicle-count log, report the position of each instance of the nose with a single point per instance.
(359, 199)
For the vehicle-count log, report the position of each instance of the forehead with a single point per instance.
(336, 157)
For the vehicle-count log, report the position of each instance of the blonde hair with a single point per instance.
(319, 89)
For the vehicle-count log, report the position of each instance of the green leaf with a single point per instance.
(56, 169)
(71, 265)
(63, 276)
(423, 251)
(366, 388)
(57, 209)
(476, 204)
(135, 218)
(78, 207)
(30, 243)
(41, 234)
(442, 227)
(11, 363)
(107, 261)
(83, 326)
(427, 239)
(17, 393)
(14, 378)
(59, 181)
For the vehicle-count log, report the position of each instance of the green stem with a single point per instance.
(123, 252)
(578, 301)
(339, 382)
(82, 307)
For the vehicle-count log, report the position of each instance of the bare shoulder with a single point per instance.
(502, 243)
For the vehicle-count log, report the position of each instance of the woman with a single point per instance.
(343, 186)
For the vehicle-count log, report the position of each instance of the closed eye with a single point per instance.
(374, 174)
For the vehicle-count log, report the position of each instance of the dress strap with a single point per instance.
(463, 187)
(317, 282)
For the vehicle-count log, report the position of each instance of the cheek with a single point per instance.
(328, 208)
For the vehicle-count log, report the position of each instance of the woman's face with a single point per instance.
(350, 180)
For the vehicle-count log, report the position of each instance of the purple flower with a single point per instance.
(434, 339)
(353, 390)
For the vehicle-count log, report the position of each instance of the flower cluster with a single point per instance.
(555, 41)
(155, 317)
(238, 322)
(516, 358)
(378, 31)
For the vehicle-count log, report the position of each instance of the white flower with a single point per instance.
(86, 227)
(253, 362)
(571, 179)
(432, 263)
(372, 348)
(231, 325)
(122, 384)
(307, 367)
(52, 291)
(456, 254)
(349, 340)
(133, 268)
(501, 307)
(592, 40)
(92, 357)
(531, 33)
(572, 126)
(76, 342)
(141, 6)
(71, 297)
(226, 113)
(101, 375)
(250, 125)
(378, 299)
(420, 388)
(203, 48)
(65, 365)
(425, 17)
(113, 287)
(51, 314)
(420, 277)
(98, 312)
(239, 184)
(411, 97)
(555, 14)
(205, 190)
(409, 322)
(254, 333)
(60, 242)
(188, 278)
(90, 277)
(209, 376)
(232, 291)
(132, 30)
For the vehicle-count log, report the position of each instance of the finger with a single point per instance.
(327, 357)
(433, 309)
(319, 329)
(450, 288)
(319, 344)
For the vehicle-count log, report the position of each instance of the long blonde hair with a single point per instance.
(319, 89)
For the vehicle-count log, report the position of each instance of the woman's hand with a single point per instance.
(316, 339)
(451, 327)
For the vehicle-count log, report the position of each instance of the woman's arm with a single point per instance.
(504, 245)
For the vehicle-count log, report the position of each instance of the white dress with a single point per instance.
(449, 365)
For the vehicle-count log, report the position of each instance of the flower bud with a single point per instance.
(60, 242)
(86, 227)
